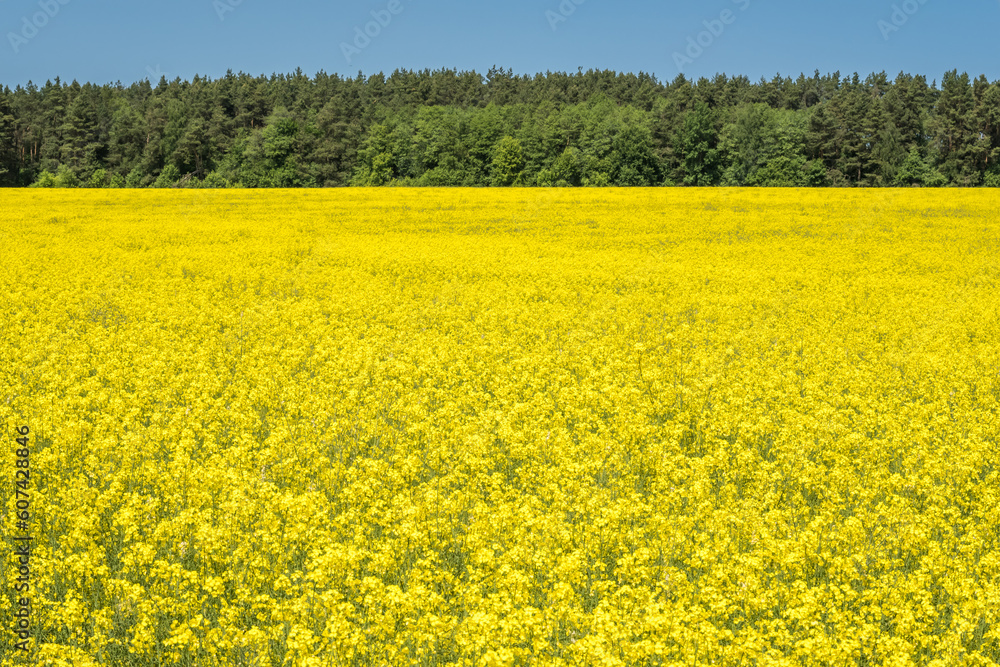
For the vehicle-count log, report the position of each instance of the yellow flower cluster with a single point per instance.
(485, 427)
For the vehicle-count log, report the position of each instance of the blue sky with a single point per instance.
(115, 40)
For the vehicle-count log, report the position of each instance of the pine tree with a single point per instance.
(8, 152)
(954, 123)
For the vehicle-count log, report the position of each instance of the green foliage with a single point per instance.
(168, 177)
(815, 174)
(695, 143)
(991, 178)
(632, 161)
(955, 126)
(915, 171)
(448, 128)
(378, 172)
(98, 179)
(747, 142)
(66, 177)
(135, 178)
(9, 167)
(377, 162)
(46, 179)
(276, 148)
(765, 147)
(215, 180)
(507, 165)
(568, 167)
(545, 178)
(597, 180)
(784, 171)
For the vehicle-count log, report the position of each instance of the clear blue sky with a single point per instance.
(118, 40)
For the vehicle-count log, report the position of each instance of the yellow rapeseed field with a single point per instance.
(503, 427)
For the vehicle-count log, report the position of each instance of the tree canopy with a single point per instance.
(447, 127)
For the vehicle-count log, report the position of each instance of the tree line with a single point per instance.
(452, 128)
